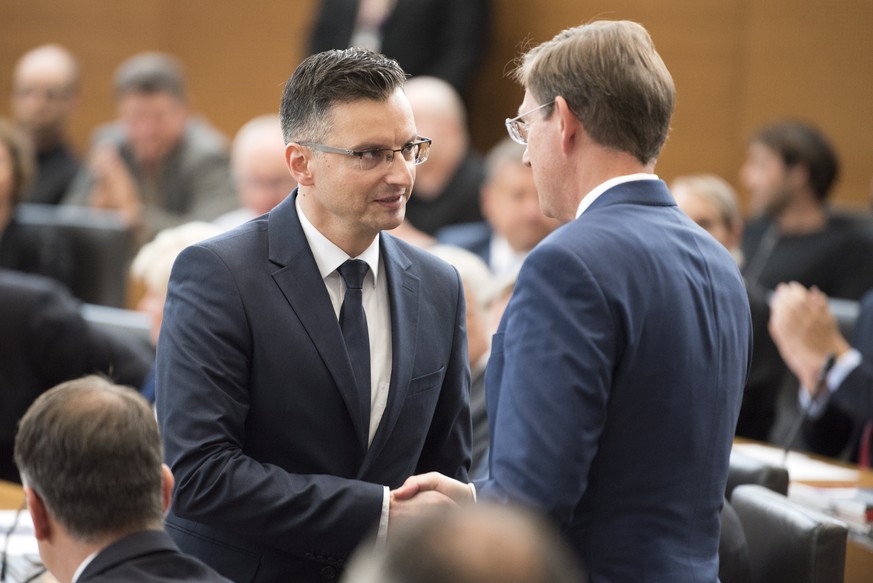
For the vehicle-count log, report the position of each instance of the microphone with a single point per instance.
(818, 390)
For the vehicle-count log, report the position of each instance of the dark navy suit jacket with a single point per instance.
(149, 556)
(257, 405)
(614, 385)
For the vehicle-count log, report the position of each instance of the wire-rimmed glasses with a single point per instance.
(413, 153)
(517, 126)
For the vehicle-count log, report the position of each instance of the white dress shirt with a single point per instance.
(328, 257)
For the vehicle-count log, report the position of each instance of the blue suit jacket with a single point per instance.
(614, 385)
(257, 405)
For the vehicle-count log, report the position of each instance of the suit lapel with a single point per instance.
(301, 283)
(403, 297)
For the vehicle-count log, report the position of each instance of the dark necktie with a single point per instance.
(353, 322)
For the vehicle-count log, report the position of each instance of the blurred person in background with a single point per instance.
(45, 92)
(152, 266)
(514, 222)
(257, 161)
(39, 251)
(789, 172)
(711, 203)
(440, 38)
(447, 188)
(158, 165)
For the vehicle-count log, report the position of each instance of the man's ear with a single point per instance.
(38, 514)
(167, 482)
(298, 159)
(568, 124)
(798, 176)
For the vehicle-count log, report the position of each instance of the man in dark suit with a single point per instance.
(442, 38)
(90, 455)
(617, 370)
(44, 340)
(286, 427)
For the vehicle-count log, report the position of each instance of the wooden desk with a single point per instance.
(11, 496)
(859, 550)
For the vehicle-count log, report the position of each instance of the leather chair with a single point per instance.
(101, 247)
(789, 543)
(746, 470)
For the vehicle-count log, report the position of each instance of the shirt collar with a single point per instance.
(327, 255)
(598, 190)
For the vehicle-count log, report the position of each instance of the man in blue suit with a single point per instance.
(292, 396)
(617, 371)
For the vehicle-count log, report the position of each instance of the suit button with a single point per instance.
(328, 573)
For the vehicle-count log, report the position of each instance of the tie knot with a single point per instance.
(353, 272)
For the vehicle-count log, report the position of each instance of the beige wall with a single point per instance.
(736, 63)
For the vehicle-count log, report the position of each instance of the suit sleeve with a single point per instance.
(204, 372)
(553, 355)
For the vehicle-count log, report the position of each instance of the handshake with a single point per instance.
(427, 492)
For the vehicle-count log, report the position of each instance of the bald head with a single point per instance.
(44, 90)
(258, 164)
(439, 115)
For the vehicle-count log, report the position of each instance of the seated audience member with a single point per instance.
(257, 161)
(45, 90)
(442, 38)
(479, 289)
(840, 416)
(447, 187)
(711, 203)
(789, 170)
(90, 458)
(514, 222)
(45, 341)
(485, 543)
(157, 165)
(152, 266)
(43, 251)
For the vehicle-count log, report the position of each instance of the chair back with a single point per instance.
(789, 543)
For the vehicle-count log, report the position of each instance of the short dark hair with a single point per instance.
(22, 157)
(325, 79)
(150, 73)
(798, 142)
(613, 80)
(92, 452)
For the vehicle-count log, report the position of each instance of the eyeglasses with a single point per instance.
(413, 153)
(517, 127)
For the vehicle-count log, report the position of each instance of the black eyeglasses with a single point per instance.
(413, 153)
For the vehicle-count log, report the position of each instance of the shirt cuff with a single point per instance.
(382, 535)
(842, 368)
(473, 491)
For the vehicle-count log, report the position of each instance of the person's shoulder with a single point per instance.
(17, 283)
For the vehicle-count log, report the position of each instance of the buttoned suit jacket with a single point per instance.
(258, 410)
(614, 386)
(149, 556)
